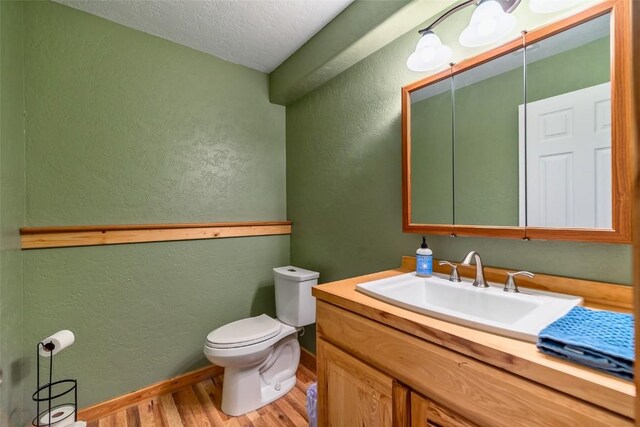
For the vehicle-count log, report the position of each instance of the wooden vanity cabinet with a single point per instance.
(370, 374)
(354, 393)
(427, 413)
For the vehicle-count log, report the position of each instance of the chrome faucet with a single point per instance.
(510, 285)
(454, 276)
(480, 281)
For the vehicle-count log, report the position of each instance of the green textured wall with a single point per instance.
(12, 202)
(141, 312)
(136, 129)
(344, 185)
(124, 127)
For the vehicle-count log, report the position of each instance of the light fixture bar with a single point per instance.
(491, 21)
(507, 5)
(446, 14)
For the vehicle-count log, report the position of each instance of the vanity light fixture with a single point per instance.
(490, 22)
(429, 54)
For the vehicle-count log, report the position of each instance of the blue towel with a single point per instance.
(602, 340)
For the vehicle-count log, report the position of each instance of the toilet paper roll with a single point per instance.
(60, 416)
(61, 340)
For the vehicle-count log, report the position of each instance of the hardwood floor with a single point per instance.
(199, 406)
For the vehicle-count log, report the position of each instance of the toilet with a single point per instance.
(260, 355)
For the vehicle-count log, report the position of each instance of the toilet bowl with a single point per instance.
(261, 354)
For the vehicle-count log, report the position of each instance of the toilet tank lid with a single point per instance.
(295, 274)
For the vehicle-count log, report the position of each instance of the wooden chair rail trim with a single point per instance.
(595, 294)
(161, 226)
(117, 404)
(91, 235)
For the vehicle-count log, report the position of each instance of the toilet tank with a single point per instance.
(294, 304)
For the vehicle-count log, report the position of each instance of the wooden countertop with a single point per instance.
(518, 357)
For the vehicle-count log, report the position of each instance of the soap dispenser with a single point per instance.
(424, 260)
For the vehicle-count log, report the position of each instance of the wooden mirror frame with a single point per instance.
(622, 131)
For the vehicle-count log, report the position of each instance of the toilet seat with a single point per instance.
(244, 332)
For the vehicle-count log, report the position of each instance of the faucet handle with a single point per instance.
(454, 276)
(510, 285)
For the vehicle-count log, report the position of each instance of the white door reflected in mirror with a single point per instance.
(568, 160)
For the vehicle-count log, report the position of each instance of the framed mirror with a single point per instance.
(530, 140)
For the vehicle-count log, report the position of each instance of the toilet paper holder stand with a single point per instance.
(54, 391)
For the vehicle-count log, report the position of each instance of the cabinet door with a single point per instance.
(351, 393)
(426, 413)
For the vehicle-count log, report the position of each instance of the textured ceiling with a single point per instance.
(260, 34)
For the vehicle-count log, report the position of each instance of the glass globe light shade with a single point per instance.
(429, 54)
(489, 23)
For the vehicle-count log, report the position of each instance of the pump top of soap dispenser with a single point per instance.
(424, 243)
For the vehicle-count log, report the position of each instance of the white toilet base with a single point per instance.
(246, 389)
(269, 394)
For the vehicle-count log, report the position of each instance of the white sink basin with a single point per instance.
(520, 316)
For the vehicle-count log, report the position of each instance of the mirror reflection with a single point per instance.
(482, 155)
(432, 154)
(487, 98)
(568, 129)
